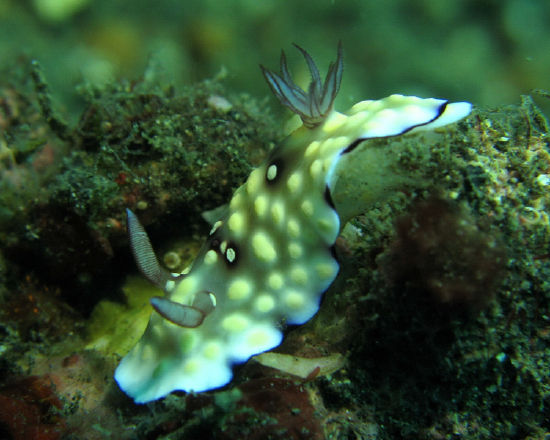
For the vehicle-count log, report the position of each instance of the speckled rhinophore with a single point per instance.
(270, 256)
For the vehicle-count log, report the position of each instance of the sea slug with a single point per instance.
(270, 256)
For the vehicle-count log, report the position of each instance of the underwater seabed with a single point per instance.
(436, 326)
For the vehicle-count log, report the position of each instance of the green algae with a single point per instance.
(159, 147)
(114, 328)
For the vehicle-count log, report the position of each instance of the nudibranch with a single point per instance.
(270, 256)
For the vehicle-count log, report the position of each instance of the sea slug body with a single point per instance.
(270, 257)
